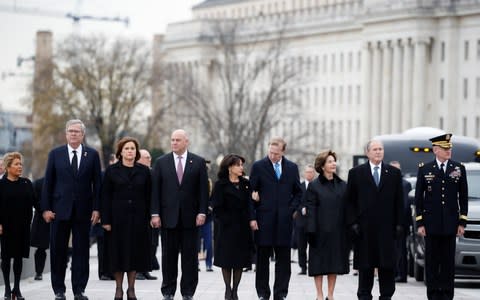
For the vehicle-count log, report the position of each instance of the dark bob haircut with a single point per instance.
(321, 159)
(228, 161)
(121, 143)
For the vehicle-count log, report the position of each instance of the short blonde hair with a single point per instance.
(9, 157)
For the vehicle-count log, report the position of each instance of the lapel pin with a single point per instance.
(84, 154)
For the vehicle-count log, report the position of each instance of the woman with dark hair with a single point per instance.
(16, 201)
(325, 208)
(231, 198)
(125, 215)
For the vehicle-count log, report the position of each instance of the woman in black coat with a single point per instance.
(40, 233)
(233, 240)
(16, 202)
(125, 212)
(325, 208)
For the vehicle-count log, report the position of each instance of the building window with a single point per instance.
(359, 99)
(324, 96)
(350, 61)
(466, 50)
(477, 127)
(333, 63)
(340, 95)
(478, 49)
(349, 95)
(477, 88)
(359, 63)
(464, 126)
(325, 63)
(442, 51)
(317, 66)
(465, 88)
(341, 62)
(332, 95)
(442, 85)
(440, 123)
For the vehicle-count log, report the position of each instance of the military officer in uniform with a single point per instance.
(441, 199)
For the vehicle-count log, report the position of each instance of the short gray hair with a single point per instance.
(73, 122)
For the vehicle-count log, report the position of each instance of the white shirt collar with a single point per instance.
(373, 166)
(444, 163)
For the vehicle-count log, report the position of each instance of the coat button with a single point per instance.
(443, 202)
(130, 201)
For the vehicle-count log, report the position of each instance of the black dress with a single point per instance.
(328, 251)
(233, 239)
(16, 202)
(126, 207)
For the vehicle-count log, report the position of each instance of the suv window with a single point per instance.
(473, 178)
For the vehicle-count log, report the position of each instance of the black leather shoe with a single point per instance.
(209, 269)
(60, 296)
(80, 296)
(168, 297)
(140, 276)
(149, 276)
(38, 277)
(303, 272)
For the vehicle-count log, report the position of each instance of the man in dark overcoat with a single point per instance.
(179, 207)
(441, 201)
(374, 200)
(276, 182)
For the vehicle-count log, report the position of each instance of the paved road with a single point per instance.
(210, 287)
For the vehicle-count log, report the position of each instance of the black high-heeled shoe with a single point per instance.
(131, 290)
(17, 295)
(118, 291)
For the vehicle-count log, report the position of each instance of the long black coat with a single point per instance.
(126, 207)
(233, 243)
(279, 198)
(326, 227)
(378, 211)
(40, 233)
(16, 203)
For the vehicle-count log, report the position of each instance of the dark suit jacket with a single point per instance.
(63, 193)
(300, 219)
(279, 198)
(378, 211)
(441, 201)
(179, 204)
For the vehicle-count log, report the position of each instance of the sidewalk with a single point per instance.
(210, 287)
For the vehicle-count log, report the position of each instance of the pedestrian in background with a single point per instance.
(326, 225)
(374, 197)
(441, 202)
(126, 200)
(401, 265)
(16, 202)
(231, 198)
(40, 233)
(277, 194)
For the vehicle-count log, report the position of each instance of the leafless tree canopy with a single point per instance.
(104, 82)
(242, 93)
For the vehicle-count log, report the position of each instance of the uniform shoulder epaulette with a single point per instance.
(421, 164)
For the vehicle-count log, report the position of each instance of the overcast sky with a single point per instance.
(17, 30)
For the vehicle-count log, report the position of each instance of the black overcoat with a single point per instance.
(279, 198)
(16, 203)
(326, 226)
(233, 243)
(40, 233)
(126, 207)
(378, 211)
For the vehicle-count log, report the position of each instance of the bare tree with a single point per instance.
(106, 83)
(244, 90)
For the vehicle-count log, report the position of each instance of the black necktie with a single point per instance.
(75, 163)
(441, 169)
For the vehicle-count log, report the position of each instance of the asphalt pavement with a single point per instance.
(211, 287)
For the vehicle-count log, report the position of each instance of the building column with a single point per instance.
(386, 96)
(375, 93)
(407, 76)
(395, 106)
(366, 88)
(419, 80)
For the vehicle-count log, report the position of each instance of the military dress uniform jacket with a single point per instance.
(441, 201)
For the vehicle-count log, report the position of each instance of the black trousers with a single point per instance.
(401, 266)
(101, 256)
(302, 247)
(386, 280)
(440, 266)
(282, 271)
(59, 236)
(174, 241)
(40, 258)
